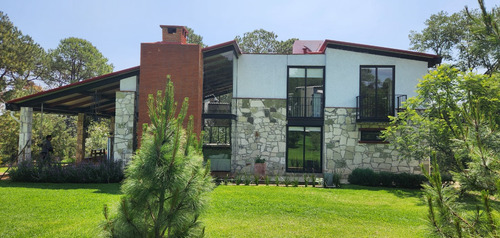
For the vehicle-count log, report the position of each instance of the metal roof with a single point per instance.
(93, 96)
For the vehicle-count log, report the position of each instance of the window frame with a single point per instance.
(361, 130)
(392, 93)
(304, 169)
(297, 119)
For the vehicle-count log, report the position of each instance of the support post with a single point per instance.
(81, 131)
(25, 134)
(125, 131)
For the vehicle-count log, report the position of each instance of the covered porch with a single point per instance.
(112, 96)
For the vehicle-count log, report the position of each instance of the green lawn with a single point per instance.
(75, 210)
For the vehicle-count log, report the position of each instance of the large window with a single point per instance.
(376, 92)
(304, 149)
(305, 92)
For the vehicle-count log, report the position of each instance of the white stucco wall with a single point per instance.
(265, 76)
(129, 84)
(342, 75)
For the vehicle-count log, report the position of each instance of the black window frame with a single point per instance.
(363, 139)
(304, 170)
(392, 93)
(304, 119)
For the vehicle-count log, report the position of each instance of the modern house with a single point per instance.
(318, 109)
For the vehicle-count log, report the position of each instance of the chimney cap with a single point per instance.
(174, 26)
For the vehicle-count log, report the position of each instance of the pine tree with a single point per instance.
(166, 184)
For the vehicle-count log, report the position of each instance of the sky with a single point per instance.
(118, 27)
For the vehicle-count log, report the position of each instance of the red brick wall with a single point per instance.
(184, 63)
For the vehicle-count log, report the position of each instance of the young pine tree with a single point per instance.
(166, 184)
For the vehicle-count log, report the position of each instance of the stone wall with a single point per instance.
(260, 130)
(125, 113)
(341, 139)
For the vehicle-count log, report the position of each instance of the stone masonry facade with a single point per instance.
(123, 148)
(260, 130)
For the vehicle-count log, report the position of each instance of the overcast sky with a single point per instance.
(117, 27)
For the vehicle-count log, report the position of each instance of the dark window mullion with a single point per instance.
(303, 149)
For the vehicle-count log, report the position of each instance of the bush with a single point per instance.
(106, 172)
(368, 177)
(365, 177)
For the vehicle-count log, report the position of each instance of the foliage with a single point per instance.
(193, 38)
(267, 180)
(105, 172)
(336, 180)
(247, 180)
(469, 39)
(259, 160)
(448, 219)
(166, 185)
(455, 116)
(256, 179)
(367, 177)
(306, 180)
(97, 131)
(262, 41)
(75, 60)
(22, 59)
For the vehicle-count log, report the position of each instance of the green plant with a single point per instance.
(238, 179)
(363, 176)
(313, 180)
(166, 185)
(259, 160)
(246, 180)
(267, 180)
(226, 179)
(256, 179)
(336, 180)
(306, 180)
(286, 180)
(295, 181)
(277, 180)
(386, 179)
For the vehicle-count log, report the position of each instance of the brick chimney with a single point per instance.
(174, 34)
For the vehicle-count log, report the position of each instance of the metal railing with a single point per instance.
(305, 107)
(217, 108)
(378, 107)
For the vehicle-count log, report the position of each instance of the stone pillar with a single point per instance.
(125, 112)
(25, 134)
(81, 131)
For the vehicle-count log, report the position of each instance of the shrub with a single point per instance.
(336, 180)
(365, 177)
(386, 178)
(105, 172)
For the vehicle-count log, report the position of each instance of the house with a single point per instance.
(321, 108)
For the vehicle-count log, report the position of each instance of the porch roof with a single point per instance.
(94, 96)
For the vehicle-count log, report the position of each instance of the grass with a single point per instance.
(251, 211)
(3, 169)
(75, 210)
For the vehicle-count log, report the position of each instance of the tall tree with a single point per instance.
(75, 60)
(166, 183)
(262, 41)
(466, 39)
(194, 38)
(21, 61)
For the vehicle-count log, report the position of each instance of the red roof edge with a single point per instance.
(76, 84)
(407, 52)
(214, 47)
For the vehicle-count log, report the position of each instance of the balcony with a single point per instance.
(376, 108)
(305, 107)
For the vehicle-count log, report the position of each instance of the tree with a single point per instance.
(21, 61)
(466, 39)
(454, 119)
(262, 41)
(166, 184)
(75, 60)
(194, 38)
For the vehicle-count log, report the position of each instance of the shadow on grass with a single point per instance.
(108, 188)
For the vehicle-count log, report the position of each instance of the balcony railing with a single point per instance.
(301, 107)
(378, 107)
(217, 108)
